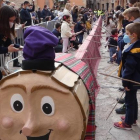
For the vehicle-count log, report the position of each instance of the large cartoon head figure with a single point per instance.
(40, 105)
(36, 106)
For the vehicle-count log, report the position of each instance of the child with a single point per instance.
(132, 15)
(88, 25)
(130, 69)
(113, 43)
(66, 32)
(79, 27)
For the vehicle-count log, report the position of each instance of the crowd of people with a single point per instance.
(71, 24)
(122, 39)
(123, 42)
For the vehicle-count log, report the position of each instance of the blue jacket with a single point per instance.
(121, 43)
(78, 27)
(25, 16)
(57, 34)
(130, 65)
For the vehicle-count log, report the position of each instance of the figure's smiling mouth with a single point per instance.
(45, 137)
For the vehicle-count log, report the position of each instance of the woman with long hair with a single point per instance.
(7, 30)
(75, 13)
(120, 22)
(109, 26)
(67, 11)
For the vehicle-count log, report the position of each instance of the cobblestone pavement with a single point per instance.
(106, 100)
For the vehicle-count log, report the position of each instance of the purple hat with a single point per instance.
(39, 43)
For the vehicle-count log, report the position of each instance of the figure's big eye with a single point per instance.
(17, 103)
(47, 105)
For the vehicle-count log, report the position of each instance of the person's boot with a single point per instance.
(121, 110)
(16, 64)
(121, 101)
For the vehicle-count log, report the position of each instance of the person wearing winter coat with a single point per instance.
(66, 32)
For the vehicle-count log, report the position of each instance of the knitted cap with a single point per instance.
(39, 43)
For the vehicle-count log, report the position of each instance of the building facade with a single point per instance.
(110, 4)
(105, 4)
(38, 3)
(122, 3)
(91, 4)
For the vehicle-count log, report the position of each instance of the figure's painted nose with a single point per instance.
(26, 131)
(29, 126)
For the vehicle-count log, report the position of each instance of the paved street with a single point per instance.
(106, 100)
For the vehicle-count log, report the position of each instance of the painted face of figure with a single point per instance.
(33, 106)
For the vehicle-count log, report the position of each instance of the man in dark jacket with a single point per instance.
(25, 13)
(45, 13)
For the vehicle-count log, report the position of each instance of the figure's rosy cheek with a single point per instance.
(63, 125)
(7, 122)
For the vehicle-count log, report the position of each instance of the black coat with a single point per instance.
(25, 16)
(39, 14)
(74, 16)
(45, 13)
(4, 43)
(112, 42)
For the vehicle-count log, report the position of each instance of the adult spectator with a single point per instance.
(132, 2)
(57, 33)
(21, 7)
(85, 15)
(67, 11)
(56, 11)
(137, 4)
(39, 14)
(33, 16)
(7, 29)
(2, 3)
(7, 2)
(51, 13)
(12, 4)
(25, 15)
(60, 13)
(45, 13)
(117, 11)
(75, 13)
